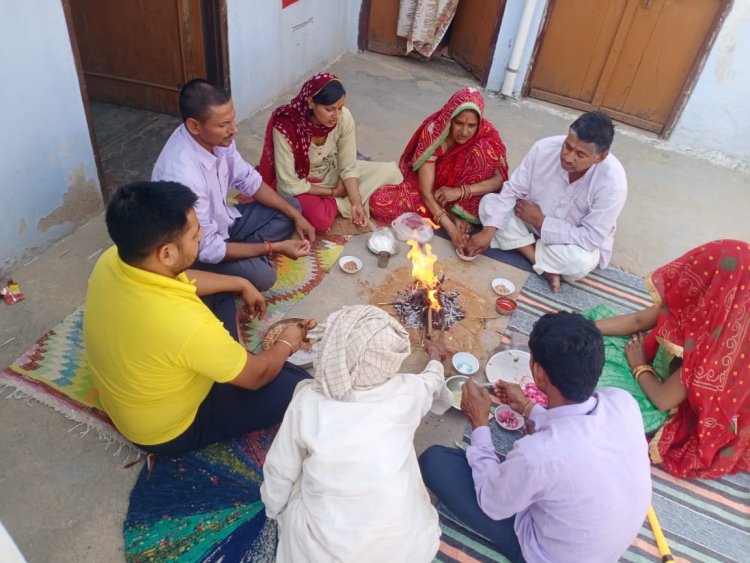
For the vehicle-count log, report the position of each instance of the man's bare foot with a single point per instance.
(554, 281)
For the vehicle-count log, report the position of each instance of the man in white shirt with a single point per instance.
(202, 155)
(560, 207)
(341, 477)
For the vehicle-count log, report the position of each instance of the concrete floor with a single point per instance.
(64, 497)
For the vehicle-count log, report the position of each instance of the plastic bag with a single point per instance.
(410, 226)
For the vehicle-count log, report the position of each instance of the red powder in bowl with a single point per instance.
(505, 305)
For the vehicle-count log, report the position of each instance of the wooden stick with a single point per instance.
(428, 326)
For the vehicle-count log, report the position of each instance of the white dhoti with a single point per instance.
(571, 261)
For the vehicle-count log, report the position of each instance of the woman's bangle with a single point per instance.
(439, 216)
(291, 348)
(269, 248)
(640, 370)
(463, 192)
(468, 189)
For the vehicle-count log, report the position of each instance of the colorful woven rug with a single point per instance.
(53, 372)
(703, 521)
(296, 278)
(203, 506)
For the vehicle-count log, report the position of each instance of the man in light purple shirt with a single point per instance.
(575, 489)
(202, 155)
(560, 207)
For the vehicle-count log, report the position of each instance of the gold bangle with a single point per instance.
(291, 348)
(470, 194)
(439, 216)
(640, 370)
(463, 191)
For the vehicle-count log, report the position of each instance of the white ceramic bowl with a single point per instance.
(518, 418)
(509, 365)
(465, 363)
(466, 258)
(454, 385)
(346, 260)
(503, 287)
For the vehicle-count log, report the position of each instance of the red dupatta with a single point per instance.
(707, 295)
(436, 128)
(293, 121)
(468, 163)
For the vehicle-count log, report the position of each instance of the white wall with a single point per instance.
(48, 180)
(716, 118)
(715, 122)
(271, 49)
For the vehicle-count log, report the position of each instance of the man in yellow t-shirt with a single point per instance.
(170, 373)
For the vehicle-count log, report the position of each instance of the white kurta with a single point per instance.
(582, 213)
(342, 477)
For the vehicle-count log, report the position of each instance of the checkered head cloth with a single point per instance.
(362, 347)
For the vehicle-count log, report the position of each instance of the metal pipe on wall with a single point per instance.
(522, 34)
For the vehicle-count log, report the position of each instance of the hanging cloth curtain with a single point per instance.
(424, 22)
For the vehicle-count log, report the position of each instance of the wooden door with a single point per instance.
(139, 52)
(633, 59)
(381, 28)
(475, 30)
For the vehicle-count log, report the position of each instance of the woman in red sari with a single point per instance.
(701, 320)
(453, 159)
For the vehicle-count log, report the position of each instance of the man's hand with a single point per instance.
(292, 248)
(304, 229)
(437, 350)
(479, 242)
(446, 195)
(254, 300)
(475, 402)
(359, 217)
(530, 213)
(511, 394)
(296, 333)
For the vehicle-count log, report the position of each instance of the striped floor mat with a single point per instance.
(703, 521)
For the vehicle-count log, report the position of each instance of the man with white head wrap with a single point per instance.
(342, 477)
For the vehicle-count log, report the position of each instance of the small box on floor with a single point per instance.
(12, 293)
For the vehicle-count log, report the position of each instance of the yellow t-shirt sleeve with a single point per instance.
(212, 352)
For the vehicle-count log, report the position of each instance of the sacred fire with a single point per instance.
(427, 305)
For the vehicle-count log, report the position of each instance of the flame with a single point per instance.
(423, 260)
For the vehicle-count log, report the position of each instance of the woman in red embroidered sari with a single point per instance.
(453, 159)
(701, 321)
(310, 153)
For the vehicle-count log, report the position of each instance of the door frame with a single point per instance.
(216, 46)
(690, 81)
(84, 94)
(364, 24)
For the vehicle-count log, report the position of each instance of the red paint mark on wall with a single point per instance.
(287, 3)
